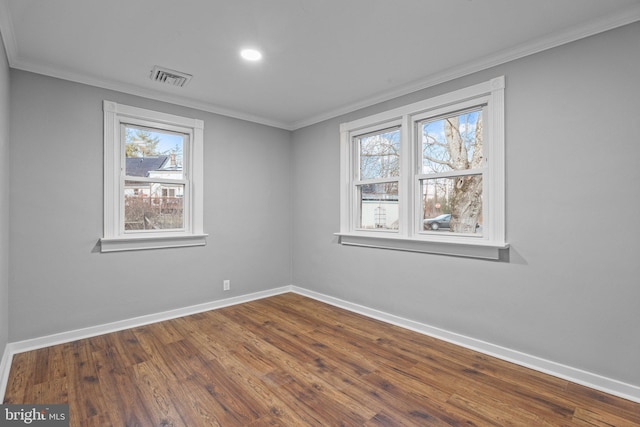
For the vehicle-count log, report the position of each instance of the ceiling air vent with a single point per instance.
(170, 77)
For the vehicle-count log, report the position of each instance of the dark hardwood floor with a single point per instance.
(293, 361)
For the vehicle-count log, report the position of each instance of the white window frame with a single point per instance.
(358, 181)
(410, 235)
(115, 238)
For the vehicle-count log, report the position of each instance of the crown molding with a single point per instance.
(20, 64)
(6, 32)
(599, 25)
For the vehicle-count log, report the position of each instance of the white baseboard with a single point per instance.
(65, 337)
(588, 379)
(5, 367)
(92, 331)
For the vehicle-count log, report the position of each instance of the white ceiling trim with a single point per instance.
(19, 64)
(554, 40)
(606, 23)
(10, 43)
(6, 31)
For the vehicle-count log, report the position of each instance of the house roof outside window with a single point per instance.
(141, 166)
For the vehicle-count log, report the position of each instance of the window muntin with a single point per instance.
(153, 179)
(153, 206)
(451, 155)
(459, 198)
(378, 206)
(453, 142)
(159, 153)
(379, 154)
(452, 147)
(376, 182)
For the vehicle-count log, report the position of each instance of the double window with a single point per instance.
(429, 176)
(153, 179)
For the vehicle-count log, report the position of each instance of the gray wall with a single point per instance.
(569, 292)
(4, 199)
(59, 279)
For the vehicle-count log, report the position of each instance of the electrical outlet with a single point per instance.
(226, 285)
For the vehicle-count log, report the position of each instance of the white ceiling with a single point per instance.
(322, 58)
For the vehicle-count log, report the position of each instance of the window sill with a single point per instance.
(469, 248)
(136, 243)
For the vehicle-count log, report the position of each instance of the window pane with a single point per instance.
(452, 143)
(452, 204)
(153, 206)
(153, 153)
(379, 154)
(378, 206)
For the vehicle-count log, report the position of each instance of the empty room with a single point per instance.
(324, 213)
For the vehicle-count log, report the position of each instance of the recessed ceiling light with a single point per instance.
(251, 54)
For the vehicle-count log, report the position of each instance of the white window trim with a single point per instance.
(493, 239)
(114, 238)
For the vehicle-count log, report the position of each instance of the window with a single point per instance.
(428, 177)
(377, 180)
(153, 179)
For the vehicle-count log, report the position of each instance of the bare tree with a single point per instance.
(461, 149)
(380, 155)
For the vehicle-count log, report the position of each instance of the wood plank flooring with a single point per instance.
(293, 361)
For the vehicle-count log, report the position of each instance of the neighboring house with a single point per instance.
(379, 209)
(163, 167)
(151, 204)
(141, 166)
